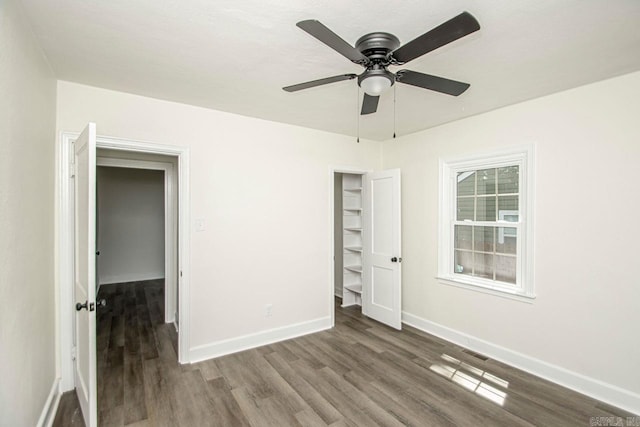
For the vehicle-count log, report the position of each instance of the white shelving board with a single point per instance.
(355, 289)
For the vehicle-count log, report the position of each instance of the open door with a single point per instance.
(85, 273)
(382, 281)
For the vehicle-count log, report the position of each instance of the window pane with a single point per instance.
(508, 208)
(486, 210)
(463, 262)
(507, 242)
(462, 237)
(483, 265)
(508, 178)
(483, 238)
(506, 269)
(465, 208)
(486, 181)
(466, 183)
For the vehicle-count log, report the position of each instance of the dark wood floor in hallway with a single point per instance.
(359, 373)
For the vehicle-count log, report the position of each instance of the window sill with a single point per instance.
(503, 293)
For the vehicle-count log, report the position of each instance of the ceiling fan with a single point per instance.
(377, 51)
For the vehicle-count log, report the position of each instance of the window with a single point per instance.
(486, 230)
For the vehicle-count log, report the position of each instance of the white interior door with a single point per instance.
(85, 273)
(382, 284)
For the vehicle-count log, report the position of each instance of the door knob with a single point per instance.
(394, 259)
(86, 306)
(101, 303)
(97, 252)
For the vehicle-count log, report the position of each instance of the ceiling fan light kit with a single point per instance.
(377, 51)
(376, 81)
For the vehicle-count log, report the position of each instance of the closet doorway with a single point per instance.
(365, 211)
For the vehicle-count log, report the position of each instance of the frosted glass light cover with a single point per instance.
(375, 85)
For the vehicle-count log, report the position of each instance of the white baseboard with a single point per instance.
(50, 408)
(246, 342)
(124, 278)
(592, 387)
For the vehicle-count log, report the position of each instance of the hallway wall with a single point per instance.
(130, 224)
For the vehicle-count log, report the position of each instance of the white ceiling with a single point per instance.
(235, 56)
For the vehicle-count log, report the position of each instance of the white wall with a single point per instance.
(27, 288)
(130, 224)
(585, 316)
(263, 189)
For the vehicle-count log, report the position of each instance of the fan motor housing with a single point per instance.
(377, 45)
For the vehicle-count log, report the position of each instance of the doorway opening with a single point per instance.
(137, 228)
(116, 152)
(348, 238)
(136, 278)
(347, 189)
(366, 243)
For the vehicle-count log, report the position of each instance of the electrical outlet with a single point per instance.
(268, 310)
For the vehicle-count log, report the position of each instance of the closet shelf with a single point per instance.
(354, 189)
(357, 289)
(353, 209)
(354, 248)
(356, 268)
(353, 228)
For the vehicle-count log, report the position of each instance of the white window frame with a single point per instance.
(523, 157)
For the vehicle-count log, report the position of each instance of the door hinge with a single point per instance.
(72, 170)
(73, 353)
(180, 273)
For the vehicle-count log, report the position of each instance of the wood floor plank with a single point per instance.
(68, 414)
(320, 405)
(337, 397)
(135, 408)
(309, 418)
(191, 400)
(111, 417)
(145, 328)
(209, 369)
(249, 407)
(226, 410)
(240, 372)
(407, 414)
(378, 414)
(158, 394)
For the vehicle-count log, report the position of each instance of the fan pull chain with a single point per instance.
(358, 112)
(394, 111)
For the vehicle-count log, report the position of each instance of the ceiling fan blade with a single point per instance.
(369, 104)
(319, 82)
(427, 81)
(455, 28)
(331, 39)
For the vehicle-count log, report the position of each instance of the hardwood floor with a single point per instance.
(359, 373)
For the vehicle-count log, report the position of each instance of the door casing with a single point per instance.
(332, 173)
(65, 242)
(332, 176)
